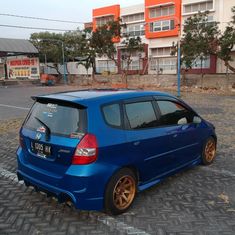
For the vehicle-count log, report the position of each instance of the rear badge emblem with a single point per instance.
(38, 136)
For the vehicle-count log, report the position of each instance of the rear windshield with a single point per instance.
(62, 120)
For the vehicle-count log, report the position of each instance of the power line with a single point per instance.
(39, 18)
(28, 27)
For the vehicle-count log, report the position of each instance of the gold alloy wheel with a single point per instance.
(210, 150)
(124, 192)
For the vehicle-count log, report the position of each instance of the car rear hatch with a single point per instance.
(50, 135)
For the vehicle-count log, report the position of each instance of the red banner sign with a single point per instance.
(23, 62)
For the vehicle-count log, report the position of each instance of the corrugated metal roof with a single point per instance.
(17, 46)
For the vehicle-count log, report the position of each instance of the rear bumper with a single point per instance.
(82, 190)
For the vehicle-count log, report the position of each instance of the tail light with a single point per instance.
(21, 141)
(86, 151)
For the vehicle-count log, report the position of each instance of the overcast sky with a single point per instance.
(74, 10)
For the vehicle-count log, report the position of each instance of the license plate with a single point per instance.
(41, 149)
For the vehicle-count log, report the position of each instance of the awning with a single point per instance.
(13, 47)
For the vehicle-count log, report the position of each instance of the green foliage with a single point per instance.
(226, 43)
(199, 38)
(233, 17)
(131, 45)
(74, 44)
(103, 39)
(49, 46)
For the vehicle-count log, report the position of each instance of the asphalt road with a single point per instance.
(199, 201)
(15, 101)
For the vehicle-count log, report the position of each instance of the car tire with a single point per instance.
(120, 192)
(209, 151)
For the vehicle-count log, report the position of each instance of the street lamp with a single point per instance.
(178, 62)
(65, 78)
(63, 57)
(178, 56)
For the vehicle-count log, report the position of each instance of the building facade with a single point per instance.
(159, 23)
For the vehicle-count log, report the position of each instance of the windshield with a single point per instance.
(58, 119)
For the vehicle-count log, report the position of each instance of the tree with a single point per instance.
(73, 45)
(202, 38)
(226, 43)
(131, 46)
(49, 47)
(87, 53)
(104, 40)
(199, 39)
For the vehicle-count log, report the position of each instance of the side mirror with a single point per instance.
(197, 120)
(182, 121)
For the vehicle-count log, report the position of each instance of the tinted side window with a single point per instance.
(172, 112)
(112, 114)
(141, 115)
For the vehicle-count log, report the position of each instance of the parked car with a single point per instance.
(98, 148)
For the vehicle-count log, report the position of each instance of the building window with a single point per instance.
(104, 20)
(195, 7)
(163, 64)
(162, 25)
(134, 30)
(209, 20)
(161, 51)
(106, 65)
(162, 11)
(136, 64)
(204, 63)
(133, 18)
(136, 60)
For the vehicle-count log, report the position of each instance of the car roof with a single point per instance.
(86, 97)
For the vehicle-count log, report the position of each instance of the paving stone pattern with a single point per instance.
(199, 201)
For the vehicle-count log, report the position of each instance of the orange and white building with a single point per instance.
(159, 24)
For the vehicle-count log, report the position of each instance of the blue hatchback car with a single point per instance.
(98, 148)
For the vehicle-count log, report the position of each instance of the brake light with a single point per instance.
(21, 142)
(86, 151)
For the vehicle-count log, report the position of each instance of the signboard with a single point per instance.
(23, 68)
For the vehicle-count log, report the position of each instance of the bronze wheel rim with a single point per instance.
(210, 150)
(124, 192)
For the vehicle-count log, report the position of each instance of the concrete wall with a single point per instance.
(72, 67)
(132, 9)
(214, 81)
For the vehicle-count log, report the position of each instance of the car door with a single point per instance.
(183, 133)
(148, 145)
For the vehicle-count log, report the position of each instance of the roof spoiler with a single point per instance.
(43, 99)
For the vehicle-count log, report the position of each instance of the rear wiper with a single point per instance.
(48, 130)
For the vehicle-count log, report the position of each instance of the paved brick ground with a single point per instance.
(198, 201)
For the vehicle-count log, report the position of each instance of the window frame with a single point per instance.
(171, 22)
(175, 101)
(198, 4)
(121, 127)
(127, 125)
(158, 11)
(134, 30)
(45, 100)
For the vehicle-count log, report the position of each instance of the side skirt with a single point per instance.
(159, 178)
